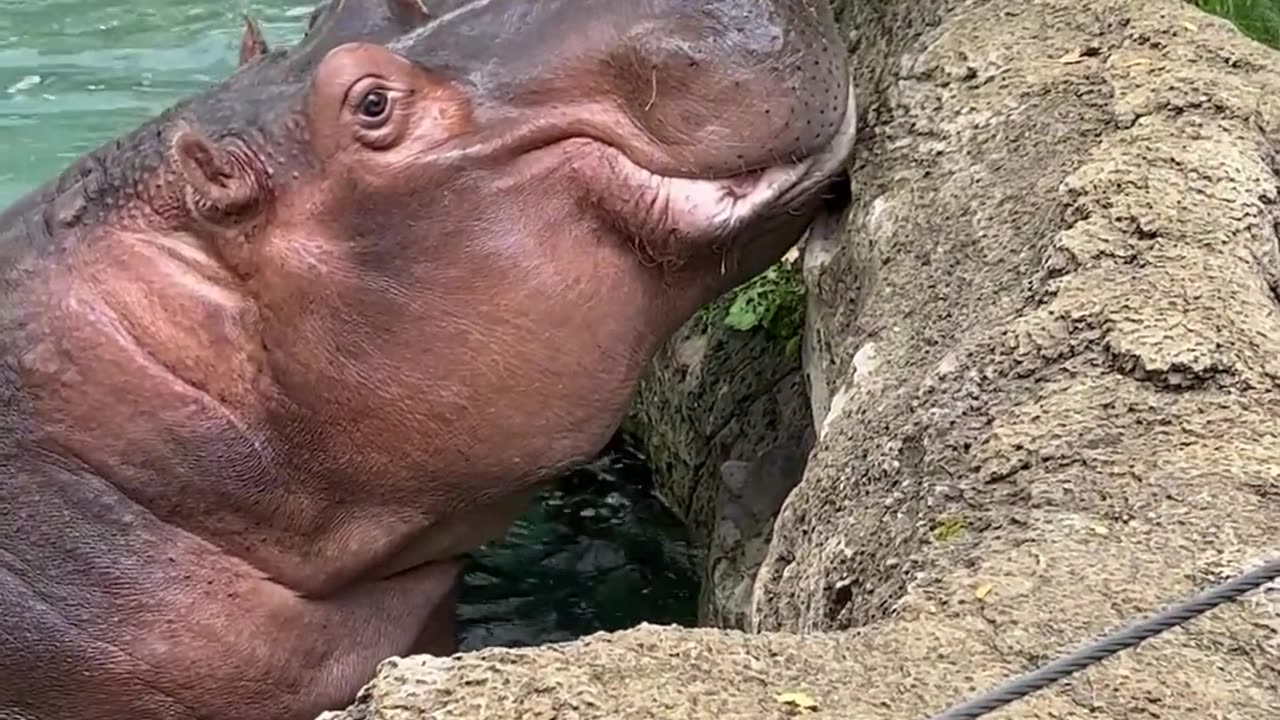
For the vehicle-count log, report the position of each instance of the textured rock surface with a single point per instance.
(1046, 356)
(715, 395)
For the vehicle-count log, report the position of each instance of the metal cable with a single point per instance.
(1096, 652)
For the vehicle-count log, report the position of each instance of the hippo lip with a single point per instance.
(669, 217)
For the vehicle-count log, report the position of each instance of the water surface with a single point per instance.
(74, 74)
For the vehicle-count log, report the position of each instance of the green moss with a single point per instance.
(1259, 19)
(706, 316)
(773, 301)
(948, 528)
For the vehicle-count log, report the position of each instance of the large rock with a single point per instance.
(1044, 356)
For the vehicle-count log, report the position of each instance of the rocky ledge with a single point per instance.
(1041, 364)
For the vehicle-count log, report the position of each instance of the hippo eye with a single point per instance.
(371, 106)
(374, 105)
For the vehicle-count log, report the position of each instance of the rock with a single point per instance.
(1072, 322)
(750, 496)
(716, 395)
(896, 670)
(1045, 352)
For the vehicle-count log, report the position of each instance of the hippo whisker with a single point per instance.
(653, 95)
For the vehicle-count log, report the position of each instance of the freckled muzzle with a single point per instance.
(732, 86)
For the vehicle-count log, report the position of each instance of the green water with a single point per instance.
(74, 74)
(595, 553)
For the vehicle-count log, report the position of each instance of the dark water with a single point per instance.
(598, 552)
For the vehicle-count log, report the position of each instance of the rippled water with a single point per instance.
(73, 74)
(596, 553)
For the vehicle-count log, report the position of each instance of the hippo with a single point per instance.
(278, 359)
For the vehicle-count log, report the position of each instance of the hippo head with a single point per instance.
(462, 234)
(466, 231)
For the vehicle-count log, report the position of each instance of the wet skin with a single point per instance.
(274, 361)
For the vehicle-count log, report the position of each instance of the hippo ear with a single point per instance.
(221, 186)
(376, 21)
(409, 13)
(252, 44)
(314, 18)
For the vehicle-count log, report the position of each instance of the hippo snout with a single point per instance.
(690, 88)
(689, 123)
(721, 88)
(736, 86)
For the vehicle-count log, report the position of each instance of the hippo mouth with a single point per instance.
(671, 217)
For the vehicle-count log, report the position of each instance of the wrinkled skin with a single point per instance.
(277, 359)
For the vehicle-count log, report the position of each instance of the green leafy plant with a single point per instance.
(773, 301)
(1259, 19)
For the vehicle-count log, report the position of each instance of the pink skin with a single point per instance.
(280, 357)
